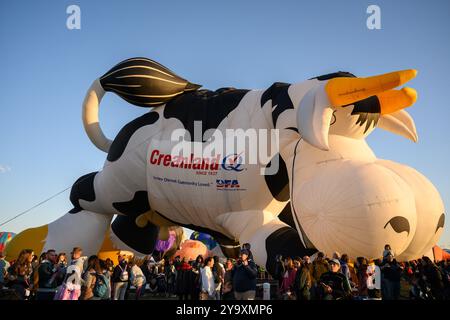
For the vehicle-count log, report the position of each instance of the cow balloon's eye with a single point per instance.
(440, 222)
(399, 224)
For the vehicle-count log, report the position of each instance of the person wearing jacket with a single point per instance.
(47, 272)
(244, 277)
(303, 282)
(334, 285)
(320, 266)
(287, 284)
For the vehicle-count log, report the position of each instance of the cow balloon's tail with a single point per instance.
(139, 81)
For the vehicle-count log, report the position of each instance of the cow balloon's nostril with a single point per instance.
(440, 222)
(399, 224)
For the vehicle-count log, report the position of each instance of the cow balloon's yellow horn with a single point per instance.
(343, 91)
(395, 100)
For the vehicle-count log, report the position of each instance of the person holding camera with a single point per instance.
(244, 277)
(333, 284)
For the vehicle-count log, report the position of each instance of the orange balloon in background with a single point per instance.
(190, 249)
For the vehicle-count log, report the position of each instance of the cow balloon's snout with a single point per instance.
(355, 207)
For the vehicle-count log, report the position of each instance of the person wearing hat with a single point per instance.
(244, 277)
(333, 284)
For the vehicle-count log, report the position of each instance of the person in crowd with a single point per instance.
(344, 260)
(70, 288)
(120, 278)
(219, 274)
(363, 276)
(387, 250)
(90, 278)
(77, 258)
(61, 260)
(336, 255)
(170, 273)
(137, 279)
(228, 271)
(227, 292)
(48, 272)
(333, 284)
(61, 265)
(146, 268)
(303, 281)
(102, 289)
(199, 262)
(248, 247)
(390, 278)
(320, 266)
(4, 266)
(207, 289)
(287, 284)
(279, 269)
(19, 274)
(374, 279)
(184, 276)
(109, 266)
(444, 268)
(433, 277)
(244, 277)
(42, 257)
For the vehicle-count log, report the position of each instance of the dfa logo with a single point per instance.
(228, 184)
(233, 162)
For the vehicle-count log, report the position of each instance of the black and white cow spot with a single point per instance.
(82, 189)
(136, 206)
(209, 107)
(120, 142)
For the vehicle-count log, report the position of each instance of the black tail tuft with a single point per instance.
(144, 82)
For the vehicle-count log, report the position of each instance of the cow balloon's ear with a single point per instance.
(400, 123)
(314, 117)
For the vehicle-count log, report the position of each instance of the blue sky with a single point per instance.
(46, 70)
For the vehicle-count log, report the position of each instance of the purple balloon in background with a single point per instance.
(164, 245)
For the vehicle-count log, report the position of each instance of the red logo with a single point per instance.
(191, 162)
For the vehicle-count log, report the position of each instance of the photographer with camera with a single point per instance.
(333, 284)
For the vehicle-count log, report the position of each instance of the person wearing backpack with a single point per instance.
(120, 279)
(90, 279)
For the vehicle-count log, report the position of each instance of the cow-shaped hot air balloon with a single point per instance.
(329, 191)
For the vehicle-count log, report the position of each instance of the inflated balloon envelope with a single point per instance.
(331, 193)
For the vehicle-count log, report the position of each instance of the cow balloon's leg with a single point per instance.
(267, 235)
(86, 230)
(126, 234)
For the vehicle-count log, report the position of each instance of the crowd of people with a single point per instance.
(52, 277)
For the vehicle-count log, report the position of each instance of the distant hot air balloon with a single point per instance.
(205, 238)
(5, 237)
(164, 245)
(190, 249)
